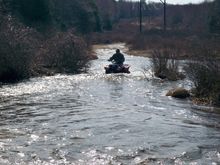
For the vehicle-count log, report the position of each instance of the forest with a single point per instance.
(44, 37)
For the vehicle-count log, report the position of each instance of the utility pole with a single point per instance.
(164, 15)
(140, 16)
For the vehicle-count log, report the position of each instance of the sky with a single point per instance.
(176, 1)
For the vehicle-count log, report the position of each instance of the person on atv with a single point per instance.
(117, 59)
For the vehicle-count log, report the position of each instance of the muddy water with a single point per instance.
(97, 119)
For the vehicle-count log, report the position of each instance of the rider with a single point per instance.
(117, 58)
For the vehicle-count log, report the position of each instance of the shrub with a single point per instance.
(165, 64)
(206, 78)
(159, 62)
(24, 52)
(65, 52)
(16, 50)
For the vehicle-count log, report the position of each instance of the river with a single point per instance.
(99, 119)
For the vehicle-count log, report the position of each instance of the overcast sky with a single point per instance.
(177, 1)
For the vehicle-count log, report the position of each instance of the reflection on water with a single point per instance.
(104, 119)
(115, 88)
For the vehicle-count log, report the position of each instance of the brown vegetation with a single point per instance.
(17, 46)
(165, 65)
(123, 31)
(205, 74)
(28, 48)
(64, 52)
(25, 53)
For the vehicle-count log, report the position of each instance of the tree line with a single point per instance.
(96, 15)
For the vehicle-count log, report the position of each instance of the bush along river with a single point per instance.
(94, 119)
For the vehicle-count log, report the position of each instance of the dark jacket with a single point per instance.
(117, 58)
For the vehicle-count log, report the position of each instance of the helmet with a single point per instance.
(117, 51)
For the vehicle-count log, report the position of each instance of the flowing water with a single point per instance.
(93, 119)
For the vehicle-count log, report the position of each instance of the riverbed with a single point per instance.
(99, 119)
